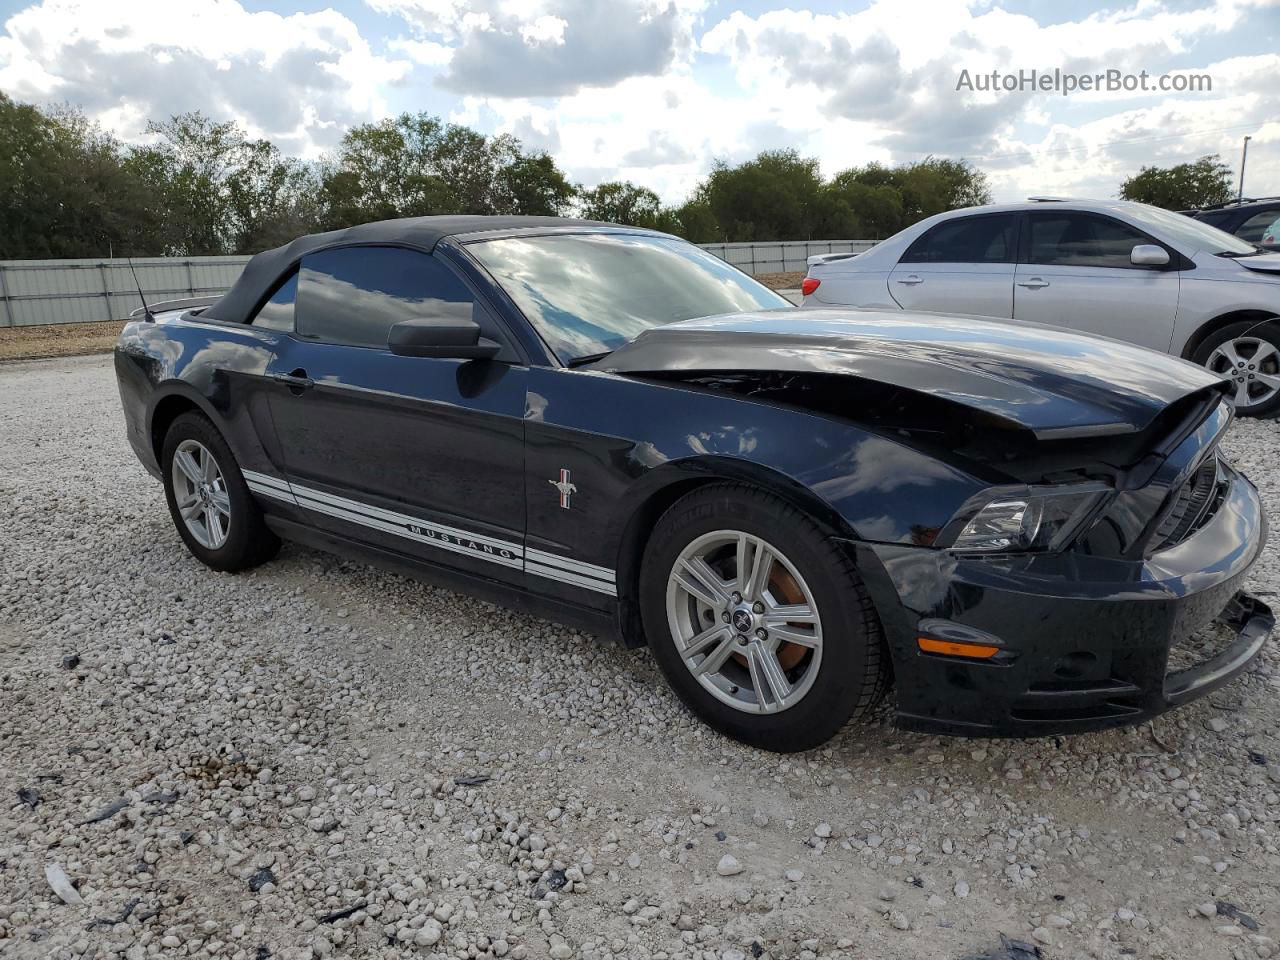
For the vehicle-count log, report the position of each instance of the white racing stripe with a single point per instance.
(566, 576)
(580, 567)
(550, 566)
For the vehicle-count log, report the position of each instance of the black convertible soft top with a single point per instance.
(260, 274)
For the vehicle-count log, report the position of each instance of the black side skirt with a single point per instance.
(604, 624)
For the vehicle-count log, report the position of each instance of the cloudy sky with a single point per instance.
(655, 90)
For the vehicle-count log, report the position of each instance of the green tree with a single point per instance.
(222, 191)
(1181, 187)
(270, 198)
(65, 190)
(695, 221)
(859, 210)
(537, 187)
(622, 202)
(413, 165)
(776, 196)
(884, 200)
(186, 166)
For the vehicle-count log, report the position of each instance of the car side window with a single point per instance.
(1259, 225)
(277, 312)
(1081, 240)
(355, 295)
(1217, 219)
(983, 239)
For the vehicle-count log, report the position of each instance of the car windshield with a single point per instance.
(589, 293)
(1181, 230)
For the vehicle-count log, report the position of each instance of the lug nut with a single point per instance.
(725, 616)
(758, 607)
(762, 634)
(742, 640)
(737, 597)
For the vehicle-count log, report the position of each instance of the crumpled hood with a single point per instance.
(1052, 382)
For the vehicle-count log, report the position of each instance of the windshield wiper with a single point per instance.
(589, 358)
(1232, 255)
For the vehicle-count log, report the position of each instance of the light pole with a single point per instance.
(1244, 155)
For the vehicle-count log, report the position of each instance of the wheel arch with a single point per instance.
(1211, 327)
(665, 486)
(172, 400)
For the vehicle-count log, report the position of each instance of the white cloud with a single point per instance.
(299, 80)
(655, 90)
(544, 29)
(549, 48)
(885, 81)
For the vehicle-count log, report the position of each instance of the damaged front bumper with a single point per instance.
(1085, 643)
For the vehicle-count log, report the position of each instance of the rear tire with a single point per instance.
(1256, 346)
(812, 656)
(211, 505)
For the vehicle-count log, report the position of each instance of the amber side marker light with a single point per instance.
(971, 651)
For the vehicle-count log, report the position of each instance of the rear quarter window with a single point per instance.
(982, 239)
(277, 312)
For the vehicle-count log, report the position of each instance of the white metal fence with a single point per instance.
(83, 291)
(783, 256)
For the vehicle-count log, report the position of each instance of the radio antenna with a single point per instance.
(146, 311)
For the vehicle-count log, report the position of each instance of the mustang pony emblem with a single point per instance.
(565, 487)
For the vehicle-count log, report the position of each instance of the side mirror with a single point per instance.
(1149, 255)
(441, 337)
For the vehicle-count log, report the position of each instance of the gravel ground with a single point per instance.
(781, 281)
(322, 759)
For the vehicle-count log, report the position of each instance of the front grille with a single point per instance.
(1194, 505)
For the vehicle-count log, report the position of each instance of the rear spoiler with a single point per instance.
(819, 258)
(188, 303)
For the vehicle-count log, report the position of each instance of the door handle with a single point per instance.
(297, 381)
(910, 281)
(1035, 283)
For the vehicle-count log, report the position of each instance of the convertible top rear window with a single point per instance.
(590, 293)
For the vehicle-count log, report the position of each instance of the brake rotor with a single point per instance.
(785, 590)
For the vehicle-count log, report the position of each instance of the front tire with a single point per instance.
(1249, 353)
(212, 508)
(758, 620)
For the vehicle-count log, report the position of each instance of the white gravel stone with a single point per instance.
(728, 866)
(335, 724)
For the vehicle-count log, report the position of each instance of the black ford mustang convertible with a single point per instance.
(1026, 530)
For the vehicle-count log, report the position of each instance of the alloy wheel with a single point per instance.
(1253, 364)
(200, 492)
(745, 623)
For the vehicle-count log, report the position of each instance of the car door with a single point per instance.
(418, 455)
(964, 265)
(1076, 272)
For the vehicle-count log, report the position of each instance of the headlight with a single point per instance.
(1022, 519)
